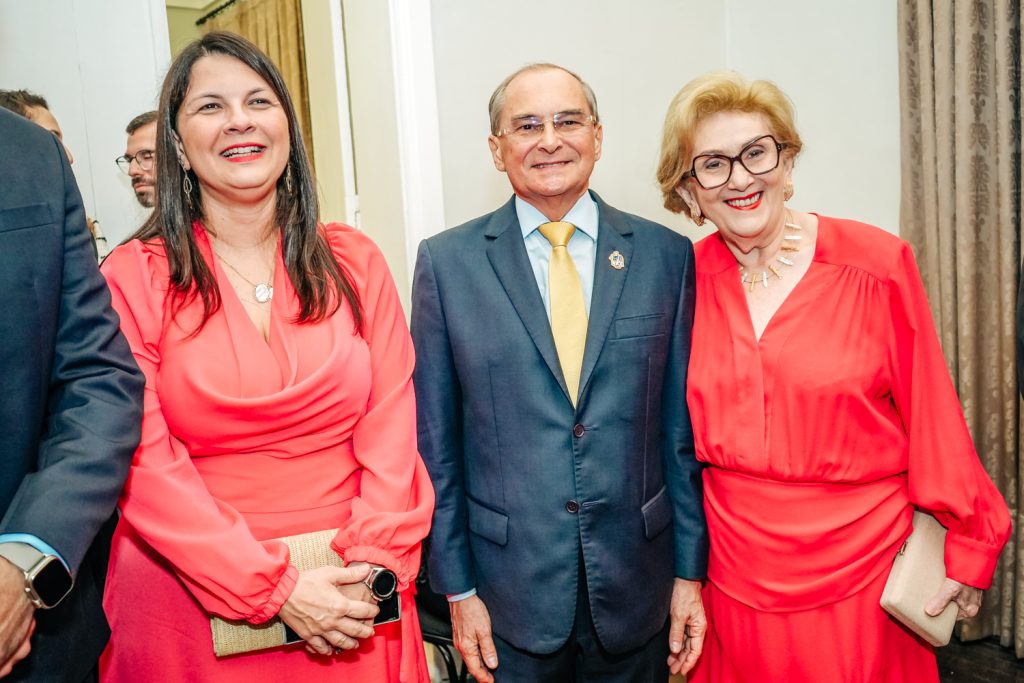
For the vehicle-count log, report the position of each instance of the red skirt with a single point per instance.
(160, 633)
(849, 641)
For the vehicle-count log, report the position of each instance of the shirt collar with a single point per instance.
(583, 215)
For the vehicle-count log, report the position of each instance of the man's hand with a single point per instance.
(16, 617)
(471, 626)
(688, 626)
(967, 598)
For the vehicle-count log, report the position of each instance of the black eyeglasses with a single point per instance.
(144, 158)
(757, 157)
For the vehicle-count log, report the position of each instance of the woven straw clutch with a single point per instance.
(308, 551)
(917, 575)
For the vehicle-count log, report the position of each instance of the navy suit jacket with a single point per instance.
(526, 483)
(71, 398)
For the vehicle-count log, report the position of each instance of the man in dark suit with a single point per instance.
(552, 338)
(36, 109)
(70, 406)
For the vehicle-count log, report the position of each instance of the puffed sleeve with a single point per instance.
(206, 541)
(945, 475)
(391, 515)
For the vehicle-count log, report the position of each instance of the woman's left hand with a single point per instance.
(967, 598)
(357, 591)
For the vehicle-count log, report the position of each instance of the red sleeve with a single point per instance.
(206, 541)
(391, 514)
(945, 475)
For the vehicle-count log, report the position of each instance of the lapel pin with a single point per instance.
(617, 260)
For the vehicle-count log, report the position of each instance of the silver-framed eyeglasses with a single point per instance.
(565, 124)
(144, 158)
(758, 157)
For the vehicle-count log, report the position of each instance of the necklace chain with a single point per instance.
(790, 244)
(262, 291)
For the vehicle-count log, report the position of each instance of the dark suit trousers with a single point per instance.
(582, 658)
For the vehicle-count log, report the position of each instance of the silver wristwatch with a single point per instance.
(382, 583)
(47, 580)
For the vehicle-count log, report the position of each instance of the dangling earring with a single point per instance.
(787, 192)
(288, 179)
(186, 185)
(696, 216)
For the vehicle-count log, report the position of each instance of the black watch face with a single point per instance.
(52, 583)
(384, 584)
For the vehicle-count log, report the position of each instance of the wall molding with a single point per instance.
(419, 141)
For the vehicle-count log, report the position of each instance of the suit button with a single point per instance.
(572, 507)
(578, 431)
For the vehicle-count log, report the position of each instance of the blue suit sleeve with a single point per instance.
(94, 405)
(439, 425)
(683, 470)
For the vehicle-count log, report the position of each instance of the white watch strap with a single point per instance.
(21, 555)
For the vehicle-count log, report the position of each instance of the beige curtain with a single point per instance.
(961, 210)
(275, 26)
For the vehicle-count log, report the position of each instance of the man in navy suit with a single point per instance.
(569, 532)
(70, 406)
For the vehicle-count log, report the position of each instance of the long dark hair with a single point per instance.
(320, 282)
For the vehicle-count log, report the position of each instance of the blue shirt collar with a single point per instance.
(583, 215)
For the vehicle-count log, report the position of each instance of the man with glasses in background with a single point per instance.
(139, 159)
(552, 340)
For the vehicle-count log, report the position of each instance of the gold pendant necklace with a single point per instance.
(790, 243)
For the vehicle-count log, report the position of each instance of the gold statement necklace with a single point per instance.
(790, 243)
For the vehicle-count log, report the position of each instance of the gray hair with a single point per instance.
(497, 101)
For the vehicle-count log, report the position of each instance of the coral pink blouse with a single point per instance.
(246, 439)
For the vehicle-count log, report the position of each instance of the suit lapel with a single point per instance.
(507, 254)
(613, 235)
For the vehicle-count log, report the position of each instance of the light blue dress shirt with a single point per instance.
(582, 245)
(582, 248)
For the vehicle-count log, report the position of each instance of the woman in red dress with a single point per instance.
(278, 402)
(822, 406)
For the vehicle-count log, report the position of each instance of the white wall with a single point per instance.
(839, 63)
(98, 64)
(371, 82)
(837, 60)
(326, 76)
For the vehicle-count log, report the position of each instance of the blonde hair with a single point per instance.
(712, 93)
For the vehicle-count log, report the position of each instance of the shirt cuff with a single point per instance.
(35, 542)
(970, 561)
(462, 596)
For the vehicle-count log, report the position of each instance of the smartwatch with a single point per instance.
(47, 580)
(382, 583)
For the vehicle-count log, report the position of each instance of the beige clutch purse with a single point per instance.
(917, 575)
(308, 551)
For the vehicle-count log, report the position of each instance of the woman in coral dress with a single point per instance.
(822, 406)
(278, 402)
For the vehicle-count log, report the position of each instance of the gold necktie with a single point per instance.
(568, 310)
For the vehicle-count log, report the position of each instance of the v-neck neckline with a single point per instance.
(221, 276)
(806, 281)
